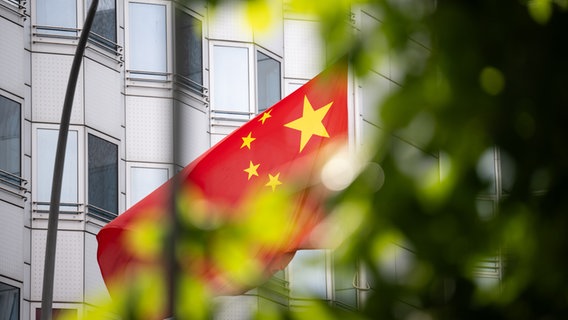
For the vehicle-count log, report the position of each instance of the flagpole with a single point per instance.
(53, 219)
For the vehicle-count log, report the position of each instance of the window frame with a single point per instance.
(191, 86)
(140, 77)
(15, 285)
(129, 166)
(66, 33)
(251, 76)
(14, 183)
(280, 63)
(100, 40)
(105, 215)
(77, 208)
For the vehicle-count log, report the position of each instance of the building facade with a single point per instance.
(160, 83)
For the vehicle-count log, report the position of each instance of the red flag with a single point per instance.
(278, 151)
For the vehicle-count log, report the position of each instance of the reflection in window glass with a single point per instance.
(486, 170)
(308, 274)
(9, 137)
(268, 78)
(9, 302)
(148, 38)
(103, 174)
(46, 147)
(343, 276)
(145, 180)
(189, 47)
(57, 13)
(231, 79)
(104, 23)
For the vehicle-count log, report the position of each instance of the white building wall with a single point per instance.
(155, 125)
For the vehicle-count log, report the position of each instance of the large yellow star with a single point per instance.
(273, 181)
(310, 123)
(251, 170)
(265, 116)
(247, 140)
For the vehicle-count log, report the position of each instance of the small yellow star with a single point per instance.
(251, 170)
(265, 116)
(247, 140)
(310, 123)
(273, 181)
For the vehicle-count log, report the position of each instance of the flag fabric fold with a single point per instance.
(277, 152)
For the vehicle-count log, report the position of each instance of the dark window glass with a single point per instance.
(103, 174)
(189, 48)
(104, 24)
(9, 137)
(268, 77)
(9, 302)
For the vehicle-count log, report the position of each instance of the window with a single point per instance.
(231, 79)
(308, 274)
(147, 41)
(103, 30)
(268, 81)
(9, 302)
(60, 16)
(10, 124)
(145, 180)
(103, 177)
(46, 148)
(189, 50)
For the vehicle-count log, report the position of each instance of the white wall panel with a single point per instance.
(149, 131)
(68, 281)
(272, 38)
(95, 289)
(103, 98)
(374, 89)
(303, 50)
(50, 74)
(193, 127)
(11, 57)
(227, 22)
(11, 232)
(236, 308)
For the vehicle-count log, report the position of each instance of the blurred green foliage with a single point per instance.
(495, 82)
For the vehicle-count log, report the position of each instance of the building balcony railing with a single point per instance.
(148, 77)
(56, 32)
(192, 86)
(13, 184)
(100, 214)
(66, 208)
(15, 6)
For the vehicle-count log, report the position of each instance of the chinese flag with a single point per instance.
(225, 194)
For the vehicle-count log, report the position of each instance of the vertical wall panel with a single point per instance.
(68, 281)
(95, 289)
(193, 127)
(149, 129)
(103, 98)
(50, 74)
(11, 57)
(374, 89)
(227, 22)
(11, 232)
(238, 307)
(302, 49)
(272, 38)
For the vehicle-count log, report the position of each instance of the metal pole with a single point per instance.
(50, 246)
